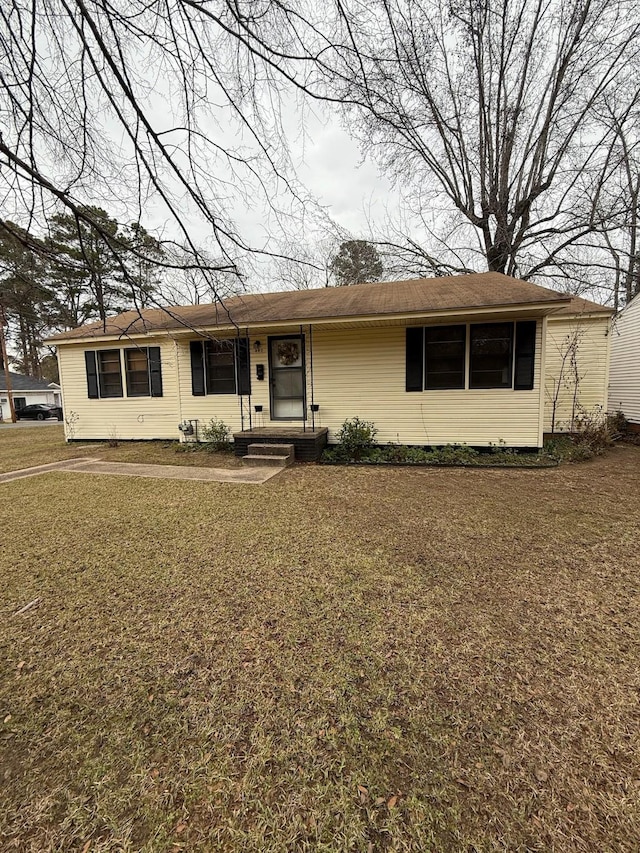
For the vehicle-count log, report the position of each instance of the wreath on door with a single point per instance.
(288, 353)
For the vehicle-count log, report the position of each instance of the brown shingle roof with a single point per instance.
(578, 305)
(417, 296)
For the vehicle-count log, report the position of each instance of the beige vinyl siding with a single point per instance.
(624, 384)
(224, 407)
(357, 372)
(361, 372)
(118, 417)
(592, 361)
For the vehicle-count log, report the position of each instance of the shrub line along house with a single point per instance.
(479, 359)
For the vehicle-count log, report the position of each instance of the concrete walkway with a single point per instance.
(132, 469)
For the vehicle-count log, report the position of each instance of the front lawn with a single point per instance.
(341, 659)
(26, 447)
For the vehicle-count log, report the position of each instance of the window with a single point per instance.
(491, 355)
(444, 356)
(501, 355)
(19, 403)
(109, 373)
(220, 367)
(142, 368)
(137, 368)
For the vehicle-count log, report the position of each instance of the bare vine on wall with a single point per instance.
(566, 382)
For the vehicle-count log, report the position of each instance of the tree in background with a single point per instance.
(136, 104)
(357, 262)
(26, 299)
(75, 274)
(491, 116)
(97, 270)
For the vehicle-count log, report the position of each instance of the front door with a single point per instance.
(287, 374)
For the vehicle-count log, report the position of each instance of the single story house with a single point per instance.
(624, 386)
(479, 358)
(26, 391)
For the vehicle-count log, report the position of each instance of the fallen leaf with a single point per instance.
(364, 793)
(86, 847)
(391, 802)
(181, 828)
(21, 664)
(7, 718)
(540, 774)
(380, 800)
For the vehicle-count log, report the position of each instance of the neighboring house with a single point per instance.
(27, 391)
(624, 386)
(429, 361)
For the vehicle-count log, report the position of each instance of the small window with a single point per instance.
(109, 373)
(491, 355)
(220, 367)
(445, 356)
(19, 403)
(137, 367)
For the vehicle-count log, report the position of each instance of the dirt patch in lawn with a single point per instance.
(342, 660)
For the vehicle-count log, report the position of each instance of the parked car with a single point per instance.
(39, 412)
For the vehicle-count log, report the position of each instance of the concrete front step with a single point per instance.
(273, 455)
(257, 460)
(272, 449)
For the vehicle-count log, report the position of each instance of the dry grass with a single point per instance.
(25, 447)
(338, 660)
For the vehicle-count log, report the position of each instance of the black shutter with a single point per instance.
(525, 355)
(155, 371)
(197, 369)
(243, 366)
(415, 359)
(92, 374)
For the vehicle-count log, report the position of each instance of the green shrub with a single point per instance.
(216, 435)
(355, 438)
(455, 454)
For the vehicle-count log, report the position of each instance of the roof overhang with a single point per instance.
(491, 312)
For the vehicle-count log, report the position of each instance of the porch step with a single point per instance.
(265, 449)
(269, 455)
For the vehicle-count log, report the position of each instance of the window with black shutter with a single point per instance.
(500, 355)
(137, 371)
(109, 373)
(220, 367)
(143, 372)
